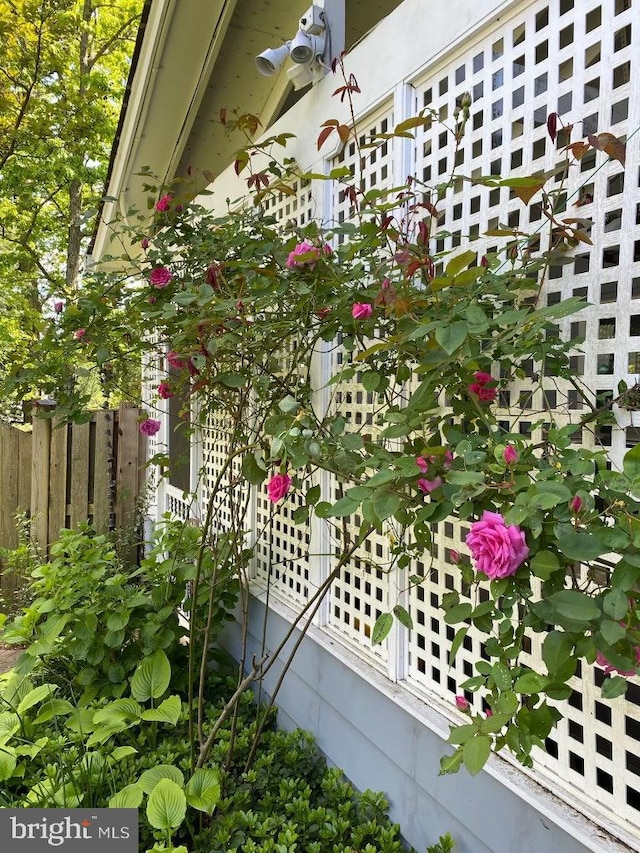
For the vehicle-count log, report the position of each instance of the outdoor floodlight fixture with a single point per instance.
(306, 49)
(272, 59)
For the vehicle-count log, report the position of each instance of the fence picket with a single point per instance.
(58, 480)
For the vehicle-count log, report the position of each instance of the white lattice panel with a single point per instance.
(222, 487)
(361, 592)
(282, 549)
(575, 59)
(293, 210)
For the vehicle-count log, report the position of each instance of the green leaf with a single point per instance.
(313, 496)
(556, 650)
(35, 696)
(625, 576)
(116, 621)
(461, 734)
(575, 605)
(167, 806)
(289, 405)
(544, 564)
(151, 677)
(452, 336)
(612, 631)
(461, 633)
(252, 471)
(203, 790)
(150, 778)
(458, 613)
(475, 753)
(581, 546)
(167, 711)
(403, 617)
(385, 504)
(631, 463)
(54, 708)
(381, 628)
(8, 761)
(450, 763)
(460, 262)
(128, 798)
(529, 683)
(343, 506)
(121, 752)
(118, 712)
(613, 687)
(501, 677)
(232, 380)
(615, 604)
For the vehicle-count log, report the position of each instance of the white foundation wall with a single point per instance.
(384, 738)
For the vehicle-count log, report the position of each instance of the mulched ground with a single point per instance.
(8, 656)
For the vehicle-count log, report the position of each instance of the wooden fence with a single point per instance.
(62, 474)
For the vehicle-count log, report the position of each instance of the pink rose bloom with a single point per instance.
(497, 549)
(361, 310)
(421, 462)
(175, 361)
(278, 486)
(482, 378)
(455, 556)
(489, 712)
(307, 249)
(160, 277)
(462, 703)
(609, 668)
(575, 504)
(510, 454)
(58, 306)
(79, 334)
(428, 486)
(164, 391)
(484, 394)
(164, 203)
(145, 242)
(150, 426)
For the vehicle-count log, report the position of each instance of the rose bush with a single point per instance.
(240, 334)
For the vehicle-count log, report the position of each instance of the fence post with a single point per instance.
(40, 451)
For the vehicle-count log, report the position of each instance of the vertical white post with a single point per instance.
(335, 17)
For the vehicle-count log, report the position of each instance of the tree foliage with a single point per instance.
(63, 67)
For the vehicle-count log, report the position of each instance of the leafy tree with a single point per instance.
(63, 67)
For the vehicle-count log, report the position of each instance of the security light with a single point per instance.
(306, 49)
(272, 59)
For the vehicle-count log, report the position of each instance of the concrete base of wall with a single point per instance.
(387, 739)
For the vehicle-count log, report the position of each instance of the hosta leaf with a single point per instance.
(150, 778)
(203, 790)
(128, 798)
(151, 677)
(8, 763)
(167, 711)
(35, 696)
(167, 806)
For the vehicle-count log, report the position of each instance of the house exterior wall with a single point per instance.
(520, 61)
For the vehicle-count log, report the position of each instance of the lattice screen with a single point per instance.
(361, 592)
(575, 59)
